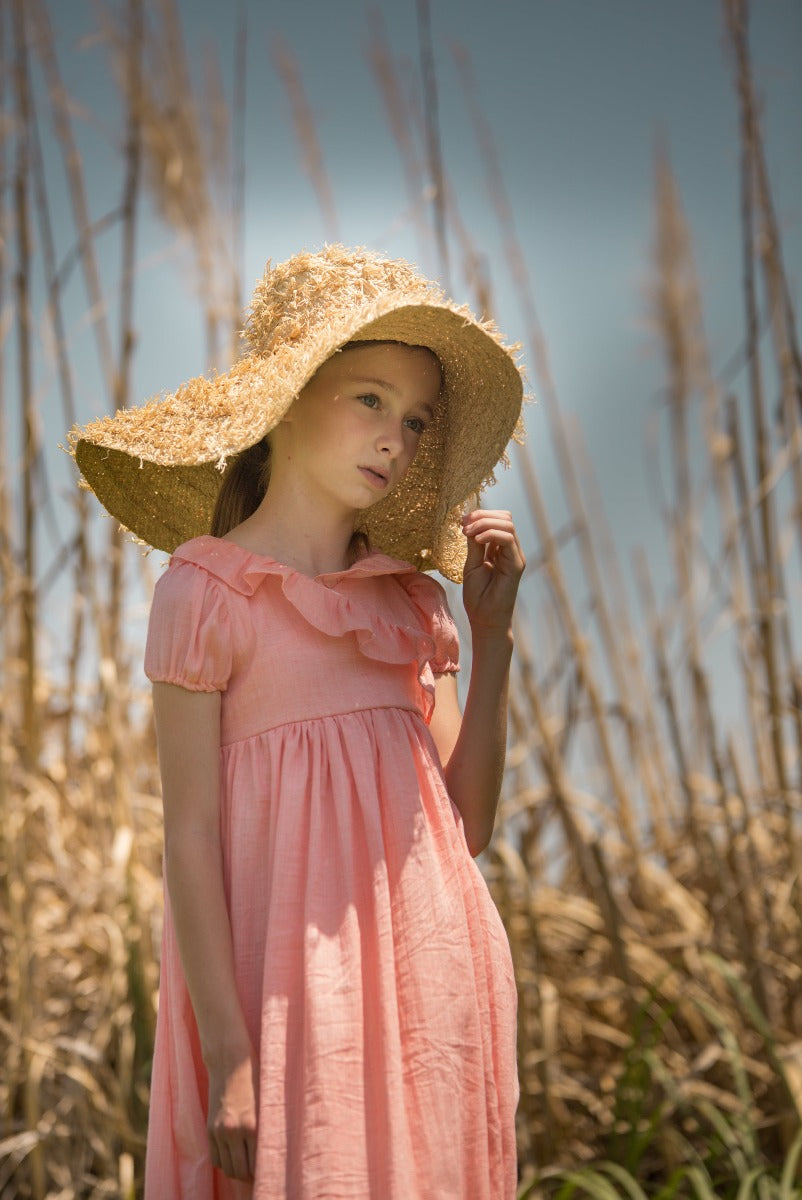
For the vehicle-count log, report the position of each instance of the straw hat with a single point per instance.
(158, 468)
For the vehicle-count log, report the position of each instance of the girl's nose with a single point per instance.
(391, 438)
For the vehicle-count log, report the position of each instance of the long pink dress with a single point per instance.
(373, 968)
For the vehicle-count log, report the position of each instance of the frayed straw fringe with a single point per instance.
(158, 468)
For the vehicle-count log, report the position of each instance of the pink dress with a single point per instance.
(373, 968)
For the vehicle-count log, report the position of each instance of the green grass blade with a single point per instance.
(701, 1184)
(731, 1138)
(589, 1182)
(670, 1189)
(748, 1187)
(788, 1190)
(630, 1185)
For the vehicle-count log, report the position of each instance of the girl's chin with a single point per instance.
(371, 499)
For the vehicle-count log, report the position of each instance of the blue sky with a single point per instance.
(575, 91)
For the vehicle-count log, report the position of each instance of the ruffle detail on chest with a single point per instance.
(332, 604)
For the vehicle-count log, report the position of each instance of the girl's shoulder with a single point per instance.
(208, 561)
(213, 555)
(189, 582)
(189, 631)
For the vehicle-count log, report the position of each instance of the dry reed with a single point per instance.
(647, 858)
(306, 135)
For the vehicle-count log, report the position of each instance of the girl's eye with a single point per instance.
(416, 425)
(369, 400)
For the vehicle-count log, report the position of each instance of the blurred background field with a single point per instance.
(648, 851)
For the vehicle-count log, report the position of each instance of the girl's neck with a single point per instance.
(312, 543)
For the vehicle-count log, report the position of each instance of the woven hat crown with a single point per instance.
(158, 469)
(310, 289)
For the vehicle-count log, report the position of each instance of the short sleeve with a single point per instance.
(432, 600)
(446, 638)
(189, 632)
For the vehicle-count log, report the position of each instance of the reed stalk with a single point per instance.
(122, 372)
(587, 854)
(238, 174)
(766, 578)
(78, 550)
(665, 689)
(15, 845)
(77, 190)
(516, 260)
(28, 422)
(108, 629)
(306, 135)
(26, 1060)
(744, 525)
(389, 83)
(670, 300)
(781, 308)
(581, 652)
(6, 535)
(659, 783)
(434, 156)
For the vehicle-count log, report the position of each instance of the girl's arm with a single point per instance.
(188, 734)
(472, 747)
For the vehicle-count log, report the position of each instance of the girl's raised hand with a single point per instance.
(492, 571)
(232, 1117)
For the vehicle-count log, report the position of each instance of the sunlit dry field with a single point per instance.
(647, 856)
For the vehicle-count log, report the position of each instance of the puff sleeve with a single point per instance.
(189, 632)
(444, 631)
(442, 641)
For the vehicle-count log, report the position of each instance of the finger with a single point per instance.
(491, 515)
(493, 531)
(226, 1162)
(471, 528)
(475, 556)
(503, 555)
(501, 549)
(501, 536)
(476, 513)
(239, 1158)
(250, 1151)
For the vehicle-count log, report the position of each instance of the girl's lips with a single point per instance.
(374, 477)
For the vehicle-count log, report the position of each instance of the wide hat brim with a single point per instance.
(158, 468)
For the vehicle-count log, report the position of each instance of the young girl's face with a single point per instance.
(355, 428)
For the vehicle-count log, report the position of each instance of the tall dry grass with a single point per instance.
(647, 858)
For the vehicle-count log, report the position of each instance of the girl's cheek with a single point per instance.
(413, 442)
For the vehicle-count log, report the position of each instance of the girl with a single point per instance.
(337, 1003)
